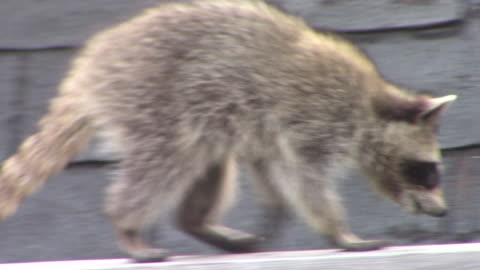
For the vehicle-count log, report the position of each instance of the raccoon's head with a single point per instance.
(402, 156)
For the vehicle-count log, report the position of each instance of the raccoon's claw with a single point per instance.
(150, 255)
(364, 245)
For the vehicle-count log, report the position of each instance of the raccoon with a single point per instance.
(188, 92)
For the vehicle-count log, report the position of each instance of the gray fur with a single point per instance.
(188, 90)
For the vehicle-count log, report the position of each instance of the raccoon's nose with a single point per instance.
(440, 213)
(437, 213)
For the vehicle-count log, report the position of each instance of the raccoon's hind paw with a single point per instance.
(140, 251)
(364, 245)
(248, 243)
(226, 238)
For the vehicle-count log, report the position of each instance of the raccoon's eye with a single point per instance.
(421, 173)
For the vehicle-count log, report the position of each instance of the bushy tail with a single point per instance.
(63, 132)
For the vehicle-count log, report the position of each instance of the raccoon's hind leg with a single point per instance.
(204, 204)
(145, 186)
(129, 204)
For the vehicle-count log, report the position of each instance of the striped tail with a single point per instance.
(63, 132)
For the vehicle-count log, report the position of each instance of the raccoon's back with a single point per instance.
(207, 62)
(213, 68)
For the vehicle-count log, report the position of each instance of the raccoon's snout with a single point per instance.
(428, 202)
(439, 212)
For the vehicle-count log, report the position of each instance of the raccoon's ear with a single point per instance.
(433, 107)
(396, 105)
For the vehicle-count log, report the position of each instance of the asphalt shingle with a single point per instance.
(375, 15)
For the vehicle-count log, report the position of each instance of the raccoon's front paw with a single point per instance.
(150, 255)
(351, 242)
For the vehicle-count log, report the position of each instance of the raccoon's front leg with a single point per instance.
(275, 212)
(310, 192)
(204, 204)
(318, 202)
